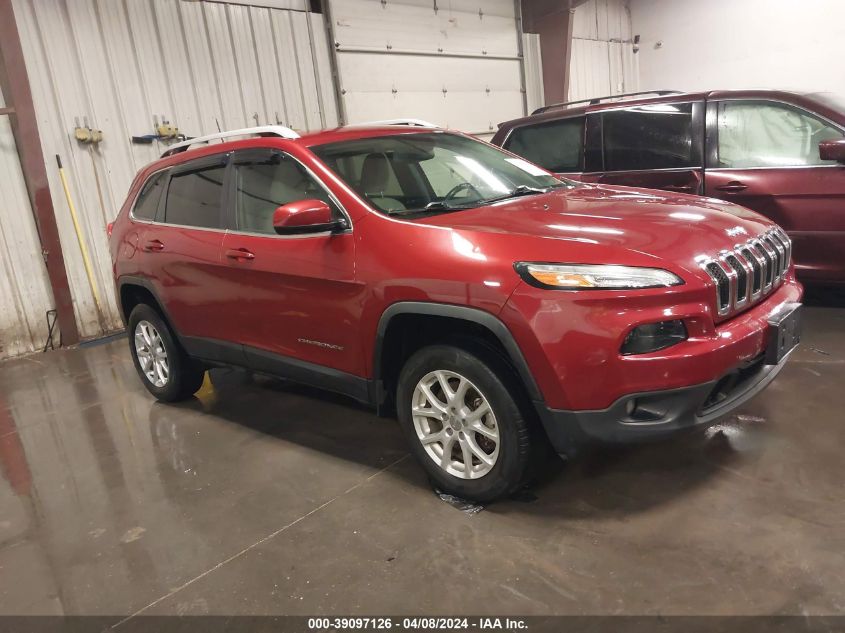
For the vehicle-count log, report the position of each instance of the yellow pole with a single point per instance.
(85, 259)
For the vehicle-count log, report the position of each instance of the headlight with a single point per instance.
(594, 276)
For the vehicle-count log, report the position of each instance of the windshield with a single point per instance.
(421, 173)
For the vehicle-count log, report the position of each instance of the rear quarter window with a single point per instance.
(557, 145)
(147, 203)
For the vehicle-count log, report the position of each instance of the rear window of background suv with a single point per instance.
(556, 145)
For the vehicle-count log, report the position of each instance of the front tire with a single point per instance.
(463, 422)
(164, 368)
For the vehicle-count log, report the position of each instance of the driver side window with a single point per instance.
(265, 184)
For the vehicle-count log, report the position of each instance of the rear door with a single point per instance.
(764, 155)
(290, 297)
(656, 146)
(182, 251)
(554, 145)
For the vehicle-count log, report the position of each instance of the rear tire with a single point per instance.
(166, 371)
(460, 414)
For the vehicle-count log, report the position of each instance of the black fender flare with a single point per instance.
(146, 284)
(464, 313)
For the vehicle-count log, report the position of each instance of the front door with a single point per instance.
(654, 146)
(764, 155)
(293, 299)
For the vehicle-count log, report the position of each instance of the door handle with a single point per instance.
(239, 253)
(153, 246)
(732, 187)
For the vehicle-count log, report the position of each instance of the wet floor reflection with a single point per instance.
(129, 498)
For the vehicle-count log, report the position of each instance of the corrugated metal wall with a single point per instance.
(25, 294)
(603, 59)
(120, 63)
(456, 63)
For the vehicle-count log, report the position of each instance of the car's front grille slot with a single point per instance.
(749, 271)
(756, 269)
(769, 256)
(778, 250)
(780, 239)
(741, 278)
(723, 286)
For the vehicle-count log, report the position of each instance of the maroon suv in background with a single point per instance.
(779, 153)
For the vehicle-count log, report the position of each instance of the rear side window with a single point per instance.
(558, 145)
(193, 198)
(767, 134)
(656, 136)
(147, 203)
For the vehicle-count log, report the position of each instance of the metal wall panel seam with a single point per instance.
(239, 82)
(298, 71)
(323, 65)
(314, 67)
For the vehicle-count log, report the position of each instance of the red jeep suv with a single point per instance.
(490, 305)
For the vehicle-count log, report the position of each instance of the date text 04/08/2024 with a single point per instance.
(416, 624)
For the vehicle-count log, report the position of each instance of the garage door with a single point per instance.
(456, 63)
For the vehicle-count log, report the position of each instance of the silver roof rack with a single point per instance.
(414, 122)
(597, 100)
(263, 130)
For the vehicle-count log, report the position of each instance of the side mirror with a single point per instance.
(306, 216)
(833, 150)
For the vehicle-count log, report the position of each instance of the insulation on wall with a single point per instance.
(120, 65)
(603, 60)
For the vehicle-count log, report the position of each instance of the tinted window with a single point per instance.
(558, 146)
(649, 137)
(264, 185)
(147, 202)
(760, 134)
(193, 198)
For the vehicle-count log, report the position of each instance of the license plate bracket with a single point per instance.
(784, 332)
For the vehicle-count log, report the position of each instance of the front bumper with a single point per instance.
(658, 414)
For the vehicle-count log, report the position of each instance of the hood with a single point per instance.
(600, 224)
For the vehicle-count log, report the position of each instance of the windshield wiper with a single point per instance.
(525, 190)
(437, 205)
(519, 190)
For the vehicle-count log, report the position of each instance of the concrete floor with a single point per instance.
(265, 498)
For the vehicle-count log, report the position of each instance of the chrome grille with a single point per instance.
(755, 260)
(750, 270)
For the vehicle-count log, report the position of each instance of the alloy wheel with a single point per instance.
(455, 424)
(152, 355)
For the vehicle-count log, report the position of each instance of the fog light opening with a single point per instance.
(652, 337)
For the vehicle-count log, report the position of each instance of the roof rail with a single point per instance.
(596, 100)
(414, 122)
(263, 130)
